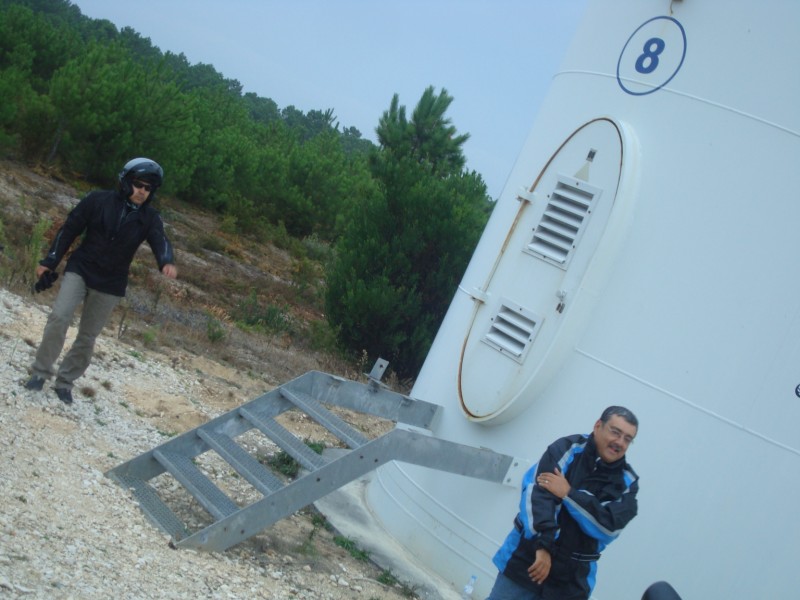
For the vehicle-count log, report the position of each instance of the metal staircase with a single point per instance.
(252, 497)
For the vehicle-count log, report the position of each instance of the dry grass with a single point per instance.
(220, 274)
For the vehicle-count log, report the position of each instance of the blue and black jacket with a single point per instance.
(575, 530)
(113, 230)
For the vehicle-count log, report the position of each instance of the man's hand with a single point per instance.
(555, 483)
(540, 568)
(170, 271)
(45, 281)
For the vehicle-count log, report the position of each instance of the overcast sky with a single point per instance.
(495, 57)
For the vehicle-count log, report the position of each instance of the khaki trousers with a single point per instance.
(97, 309)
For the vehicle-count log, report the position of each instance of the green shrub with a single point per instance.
(251, 313)
(150, 336)
(214, 330)
(387, 578)
(351, 547)
(305, 275)
(228, 224)
(33, 252)
(285, 464)
(322, 337)
(317, 249)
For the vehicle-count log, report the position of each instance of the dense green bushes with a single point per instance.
(82, 97)
(398, 221)
(406, 246)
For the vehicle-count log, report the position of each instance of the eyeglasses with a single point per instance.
(619, 434)
(142, 186)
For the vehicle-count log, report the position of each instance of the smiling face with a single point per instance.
(613, 437)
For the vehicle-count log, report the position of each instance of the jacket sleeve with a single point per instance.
(75, 225)
(159, 243)
(603, 521)
(538, 507)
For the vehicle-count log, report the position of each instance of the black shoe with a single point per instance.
(64, 395)
(35, 383)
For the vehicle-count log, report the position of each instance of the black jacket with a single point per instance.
(113, 230)
(601, 502)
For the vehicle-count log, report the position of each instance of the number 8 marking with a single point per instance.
(650, 55)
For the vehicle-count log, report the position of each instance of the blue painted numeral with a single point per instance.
(648, 60)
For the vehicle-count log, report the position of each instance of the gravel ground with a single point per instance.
(67, 531)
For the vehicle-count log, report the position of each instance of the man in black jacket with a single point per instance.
(114, 224)
(575, 501)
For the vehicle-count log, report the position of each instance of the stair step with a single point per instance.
(338, 427)
(286, 440)
(311, 393)
(152, 506)
(193, 479)
(243, 463)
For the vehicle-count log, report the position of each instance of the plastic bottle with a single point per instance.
(467, 593)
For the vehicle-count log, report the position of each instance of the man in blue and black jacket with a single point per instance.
(113, 224)
(575, 501)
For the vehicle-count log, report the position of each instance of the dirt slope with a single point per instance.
(66, 531)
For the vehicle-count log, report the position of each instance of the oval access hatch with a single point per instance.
(542, 287)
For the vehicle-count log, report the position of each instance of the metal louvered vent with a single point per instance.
(563, 221)
(512, 330)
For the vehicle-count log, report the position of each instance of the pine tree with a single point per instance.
(407, 244)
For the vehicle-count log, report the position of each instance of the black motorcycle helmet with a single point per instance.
(142, 169)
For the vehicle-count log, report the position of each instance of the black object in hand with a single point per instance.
(46, 281)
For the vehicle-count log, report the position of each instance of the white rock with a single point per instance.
(74, 539)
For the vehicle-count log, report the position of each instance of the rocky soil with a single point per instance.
(66, 530)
